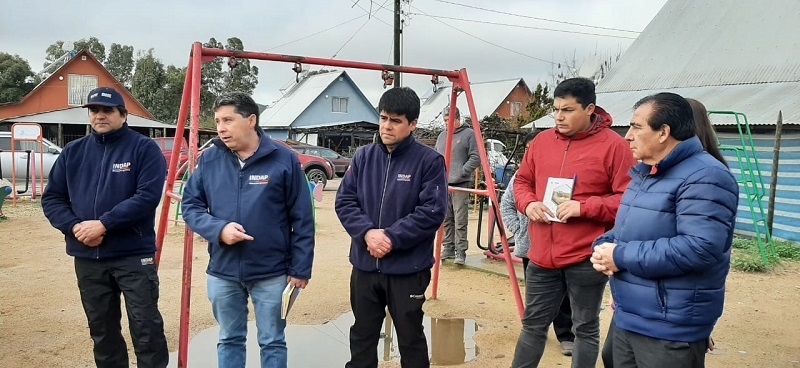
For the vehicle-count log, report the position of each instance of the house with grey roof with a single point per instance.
(326, 109)
(507, 98)
(731, 56)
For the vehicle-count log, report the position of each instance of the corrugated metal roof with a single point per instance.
(78, 115)
(759, 102)
(296, 100)
(741, 56)
(692, 43)
(487, 95)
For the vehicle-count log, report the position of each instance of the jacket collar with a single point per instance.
(402, 147)
(682, 151)
(110, 137)
(265, 146)
(600, 120)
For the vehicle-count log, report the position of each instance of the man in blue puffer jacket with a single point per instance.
(249, 198)
(392, 201)
(669, 250)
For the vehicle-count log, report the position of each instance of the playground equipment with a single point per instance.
(493, 249)
(27, 132)
(751, 181)
(190, 107)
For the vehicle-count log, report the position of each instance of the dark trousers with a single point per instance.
(100, 282)
(544, 292)
(607, 355)
(632, 350)
(562, 324)
(370, 294)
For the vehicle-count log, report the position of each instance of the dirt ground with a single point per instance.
(42, 323)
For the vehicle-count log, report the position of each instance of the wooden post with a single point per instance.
(60, 135)
(773, 185)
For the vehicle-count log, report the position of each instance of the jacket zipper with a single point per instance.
(383, 195)
(560, 174)
(239, 210)
(97, 191)
(624, 220)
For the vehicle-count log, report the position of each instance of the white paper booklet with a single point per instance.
(558, 191)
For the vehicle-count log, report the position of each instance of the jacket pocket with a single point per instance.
(662, 296)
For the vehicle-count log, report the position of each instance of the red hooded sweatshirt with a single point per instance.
(600, 160)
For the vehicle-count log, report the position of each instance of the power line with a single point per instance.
(485, 41)
(318, 32)
(536, 18)
(371, 15)
(521, 26)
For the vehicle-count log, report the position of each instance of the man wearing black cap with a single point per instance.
(102, 194)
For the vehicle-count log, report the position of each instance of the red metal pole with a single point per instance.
(172, 171)
(448, 147)
(330, 62)
(188, 248)
(492, 193)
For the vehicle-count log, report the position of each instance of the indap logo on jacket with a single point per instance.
(121, 167)
(403, 177)
(259, 179)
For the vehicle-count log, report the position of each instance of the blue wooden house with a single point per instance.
(326, 109)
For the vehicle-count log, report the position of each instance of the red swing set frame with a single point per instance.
(190, 107)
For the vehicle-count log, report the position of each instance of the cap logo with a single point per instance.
(108, 95)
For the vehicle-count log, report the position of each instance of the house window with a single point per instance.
(516, 108)
(79, 88)
(339, 104)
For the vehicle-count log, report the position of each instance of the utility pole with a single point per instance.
(398, 30)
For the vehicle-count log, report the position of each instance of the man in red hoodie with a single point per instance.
(596, 160)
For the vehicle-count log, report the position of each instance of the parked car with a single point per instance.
(167, 143)
(49, 154)
(339, 162)
(317, 169)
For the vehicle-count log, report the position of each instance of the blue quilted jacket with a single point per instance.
(673, 231)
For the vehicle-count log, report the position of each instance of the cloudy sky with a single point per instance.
(494, 40)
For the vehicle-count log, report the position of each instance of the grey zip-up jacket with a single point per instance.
(464, 158)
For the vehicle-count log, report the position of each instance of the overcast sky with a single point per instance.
(430, 39)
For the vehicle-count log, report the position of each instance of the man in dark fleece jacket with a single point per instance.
(102, 193)
(464, 159)
(392, 201)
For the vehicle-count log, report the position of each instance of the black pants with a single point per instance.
(370, 294)
(562, 324)
(100, 282)
(632, 350)
(607, 354)
(544, 292)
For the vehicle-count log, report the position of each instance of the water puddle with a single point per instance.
(450, 342)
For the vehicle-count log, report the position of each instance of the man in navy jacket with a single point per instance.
(250, 199)
(391, 202)
(102, 194)
(669, 250)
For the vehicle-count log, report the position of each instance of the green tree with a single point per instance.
(16, 78)
(212, 81)
(120, 63)
(540, 104)
(56, 51)
(147, 84)
(94, 46)
(241, 76)
(171, 94)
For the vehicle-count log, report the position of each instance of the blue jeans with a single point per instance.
(229, 304)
